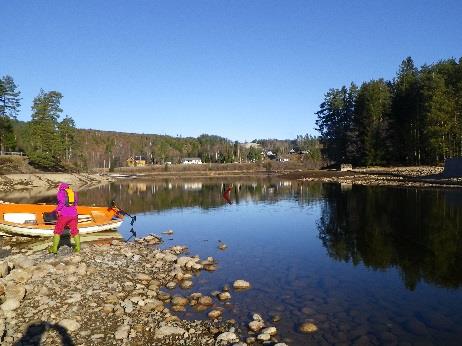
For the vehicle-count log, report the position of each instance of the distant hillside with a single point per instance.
(111, 149)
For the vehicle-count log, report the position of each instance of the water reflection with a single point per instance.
(334, 254)
(140, 197)
(417, 231)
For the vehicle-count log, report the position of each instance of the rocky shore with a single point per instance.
(421, 176)
(46, 181)
(115, 293)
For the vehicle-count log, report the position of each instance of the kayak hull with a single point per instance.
(28, 219)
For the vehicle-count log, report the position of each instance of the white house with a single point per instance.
(191, 161)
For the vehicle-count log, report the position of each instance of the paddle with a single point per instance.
(123, 212)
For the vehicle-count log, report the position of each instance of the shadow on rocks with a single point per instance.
(33, 334)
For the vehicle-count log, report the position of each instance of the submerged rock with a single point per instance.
(308, 327)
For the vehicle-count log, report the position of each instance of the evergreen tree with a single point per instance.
(46, 144)
(9, 98)
(67, 135)
(439, 107)
(407, 122)
(7, 136)
(334, 122)
(372, 122)
(253, 155)
(9, 108)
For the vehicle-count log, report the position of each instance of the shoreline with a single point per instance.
(113, 292)
(47, 181)
(418, 176)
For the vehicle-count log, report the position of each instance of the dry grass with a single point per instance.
(14, 164)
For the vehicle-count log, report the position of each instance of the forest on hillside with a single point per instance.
(52, 142)
(414, 119)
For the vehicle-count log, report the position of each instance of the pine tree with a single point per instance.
(439, 107)
(67, 135)
(46, 143)
(334, 122)
(9, 98)
(372, 121)
(9, 108)
(407, 122)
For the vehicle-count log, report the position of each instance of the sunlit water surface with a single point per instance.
(367, 265)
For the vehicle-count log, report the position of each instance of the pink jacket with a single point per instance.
(61, 208)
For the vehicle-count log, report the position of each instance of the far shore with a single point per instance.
(42, 182)
(418, 176)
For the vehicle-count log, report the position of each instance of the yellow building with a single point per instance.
(136, 161)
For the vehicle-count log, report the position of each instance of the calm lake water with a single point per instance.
(368, 265)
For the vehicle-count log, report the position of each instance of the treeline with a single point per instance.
(52, 142)
(414, 119)
(47, 139)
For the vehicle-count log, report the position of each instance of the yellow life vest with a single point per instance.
(70, 197)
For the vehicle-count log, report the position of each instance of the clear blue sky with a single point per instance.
(240, 69)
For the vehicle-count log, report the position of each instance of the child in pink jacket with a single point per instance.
(66, 211)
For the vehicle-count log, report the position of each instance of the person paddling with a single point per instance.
(66, 211)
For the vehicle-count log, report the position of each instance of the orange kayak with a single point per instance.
(35, 220)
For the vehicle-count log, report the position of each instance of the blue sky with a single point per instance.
(239, 69)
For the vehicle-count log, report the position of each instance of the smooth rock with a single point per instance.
(264, 337)
(19, 275)
(171, 285)
(186, 284)
(214, 314)
(122, 332)
(15, 291)
(241, 285)
(257, 317)
(10, 304)
(177, 300)
(308, 327)
(227, 338)
(256, 326)
(205, 300)
(71, 325)
(168, 330)
(4, 269)
(23, 262)
(270, 330)
(127, 305)
(178, 308)
(224, 296)
(108, 308)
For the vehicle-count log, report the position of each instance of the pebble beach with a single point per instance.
(116, 293)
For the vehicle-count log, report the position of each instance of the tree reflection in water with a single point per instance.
(416, 230)
(139, 196)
